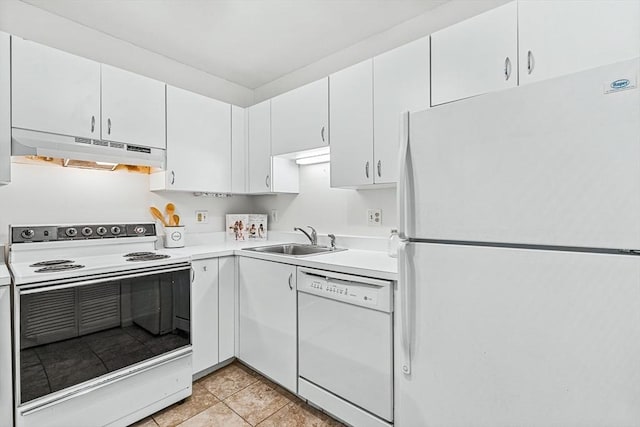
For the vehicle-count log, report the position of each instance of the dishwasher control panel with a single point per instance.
(363, 291)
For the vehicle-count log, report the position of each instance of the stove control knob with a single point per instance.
(139, 230)
(115, 230)
(28, 233)
(87, 231)
(101, 231)
(71, 232)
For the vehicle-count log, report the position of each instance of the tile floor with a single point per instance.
(237, 396)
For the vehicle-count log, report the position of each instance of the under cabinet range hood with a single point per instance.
(34, 143)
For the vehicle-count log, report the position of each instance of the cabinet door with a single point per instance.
(351, 132)
(300, 118)
(6, 384)
(400, 83)
(198, 142)
(204, 324)
(133, 108)
(475, 56)
(561, 37)
(54, 91)
(227, 307)
(239, 176)
(5, 108)
(260, 147)
(268, 319)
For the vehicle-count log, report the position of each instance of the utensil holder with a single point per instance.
(174, 236)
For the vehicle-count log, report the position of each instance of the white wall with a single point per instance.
(329, 210)
(35, 24)
(50, 194)
(422, 25)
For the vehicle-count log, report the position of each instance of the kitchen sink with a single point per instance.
(294, 249)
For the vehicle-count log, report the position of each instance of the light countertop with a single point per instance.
(351, 261)
(5, 278)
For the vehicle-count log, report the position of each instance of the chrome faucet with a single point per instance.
(333, 241)
(313, 237)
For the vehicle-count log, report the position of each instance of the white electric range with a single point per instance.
(102, 324)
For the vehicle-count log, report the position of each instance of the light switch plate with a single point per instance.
(374, 217)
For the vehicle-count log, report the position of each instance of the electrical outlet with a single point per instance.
(202, 217)
(274, 215)
(374, 217)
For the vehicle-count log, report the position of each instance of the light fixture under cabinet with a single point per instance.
(311, 157)
(82, 164)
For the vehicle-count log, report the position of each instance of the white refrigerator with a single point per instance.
(519, 293)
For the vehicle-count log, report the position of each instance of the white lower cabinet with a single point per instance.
(204, 309)
(227, 303)
(267, 293)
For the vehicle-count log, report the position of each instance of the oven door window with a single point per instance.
(72, 333)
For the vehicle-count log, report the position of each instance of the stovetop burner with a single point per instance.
(51, 262)
(137, 254)
(149, 257)
(59, 267)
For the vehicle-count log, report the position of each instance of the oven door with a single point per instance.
(71, 334)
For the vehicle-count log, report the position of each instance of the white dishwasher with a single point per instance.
(345, 345)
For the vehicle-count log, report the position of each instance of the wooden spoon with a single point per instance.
(175, 219)
(170, 209)
(158, 215)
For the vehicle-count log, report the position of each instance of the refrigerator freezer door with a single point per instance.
(551, 163)
(508, 337)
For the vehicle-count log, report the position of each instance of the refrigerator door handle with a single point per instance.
(405, 321)
(402, 177)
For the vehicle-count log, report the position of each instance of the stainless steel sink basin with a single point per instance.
(294, 249)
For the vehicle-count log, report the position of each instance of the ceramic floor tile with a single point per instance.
(228, 380)
(219, 415)
(199, 400)
(293, 415)
(147, 422)
(257, 402)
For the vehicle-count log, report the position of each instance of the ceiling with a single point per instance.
(249, 42)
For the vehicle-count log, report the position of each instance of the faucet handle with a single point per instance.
(333, 240)
(314, 235)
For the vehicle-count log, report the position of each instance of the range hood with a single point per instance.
(32, 143)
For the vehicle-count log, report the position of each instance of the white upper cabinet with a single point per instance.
(300, 118)
(133, 108)
(198, 144)
(260, 147)
(400, 83)
(475, 56)
(351, 131)
(239, 150)
(54, 91)
(561, 37)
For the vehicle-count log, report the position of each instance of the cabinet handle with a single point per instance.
(267, 181)
(93, 123)
(204, 268)
(290, 278)
(366, 169)
(379, 168)
(530, 62)
(507, 68)
(108, 126)
(322, 133)
(173, 177)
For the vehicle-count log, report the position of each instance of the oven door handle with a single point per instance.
(46, 288)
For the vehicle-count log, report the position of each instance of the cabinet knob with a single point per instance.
(366, 169)
(173, 177)
(267, 181)
(379, 168)
(290, 279)
(108, 126)
(530, 62)
(93, 123)
(322, 133)
(204, 268)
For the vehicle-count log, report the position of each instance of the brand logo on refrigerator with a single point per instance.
(620, 84)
